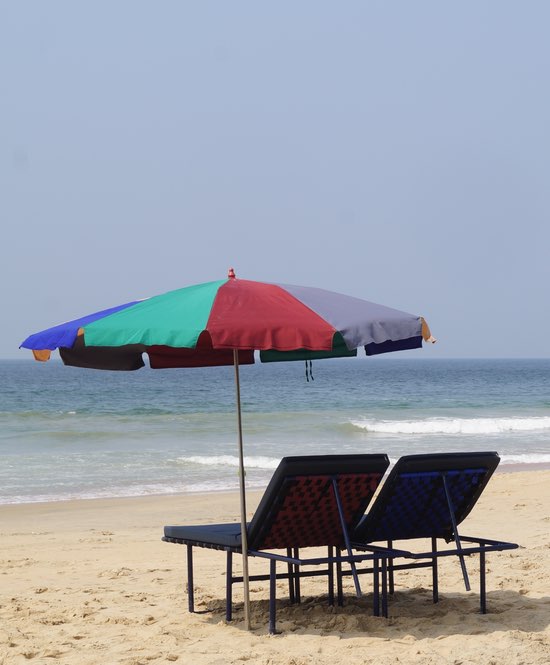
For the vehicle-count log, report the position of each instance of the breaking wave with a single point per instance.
(532, 458)
(454, 425)
(232, 461)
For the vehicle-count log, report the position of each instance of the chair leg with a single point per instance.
(297, 577)
(272, 595)
(291, 581)
(339, 586)
(229, 587)
(346, 537)
(190, 588)
(376, 587)
(330, 576)
(482, 582)
(390, 571)
(456, 536)
(385, 587)
(435, 577)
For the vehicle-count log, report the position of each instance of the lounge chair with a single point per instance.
(428, 496)
(310, 502)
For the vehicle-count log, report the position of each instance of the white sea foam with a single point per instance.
(221, 484)
(231, 460)
(454, 425)
(528, 458)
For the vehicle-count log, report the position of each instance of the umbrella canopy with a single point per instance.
(201, 325)
(223, 323)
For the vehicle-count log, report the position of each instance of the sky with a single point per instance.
(394, 151)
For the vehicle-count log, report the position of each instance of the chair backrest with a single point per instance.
(413, 502)
(299, 508)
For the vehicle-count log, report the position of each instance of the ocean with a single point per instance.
(68, 433)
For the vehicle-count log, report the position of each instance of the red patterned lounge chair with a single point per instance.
(311, 501)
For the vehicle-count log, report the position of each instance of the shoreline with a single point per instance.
(502, 468)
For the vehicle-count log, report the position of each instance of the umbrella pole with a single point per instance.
(244, 538)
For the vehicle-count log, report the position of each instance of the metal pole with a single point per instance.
(244, 539)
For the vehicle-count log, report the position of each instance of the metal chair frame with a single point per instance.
(294, 573)
(481, 546)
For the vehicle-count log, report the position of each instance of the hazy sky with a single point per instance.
(395, 151)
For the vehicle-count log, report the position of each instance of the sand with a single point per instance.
(88, 582)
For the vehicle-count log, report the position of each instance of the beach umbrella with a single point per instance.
(225, 322)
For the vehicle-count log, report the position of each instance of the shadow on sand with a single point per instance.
(411, 613)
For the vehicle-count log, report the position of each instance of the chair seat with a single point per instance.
(214, 534)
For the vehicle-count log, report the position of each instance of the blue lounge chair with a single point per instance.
(310, 501)
(428, 496)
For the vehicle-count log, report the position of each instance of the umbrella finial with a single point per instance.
(231, 273)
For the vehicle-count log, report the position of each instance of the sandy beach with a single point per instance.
(88, 582)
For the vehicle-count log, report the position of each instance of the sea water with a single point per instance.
(70, 433)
